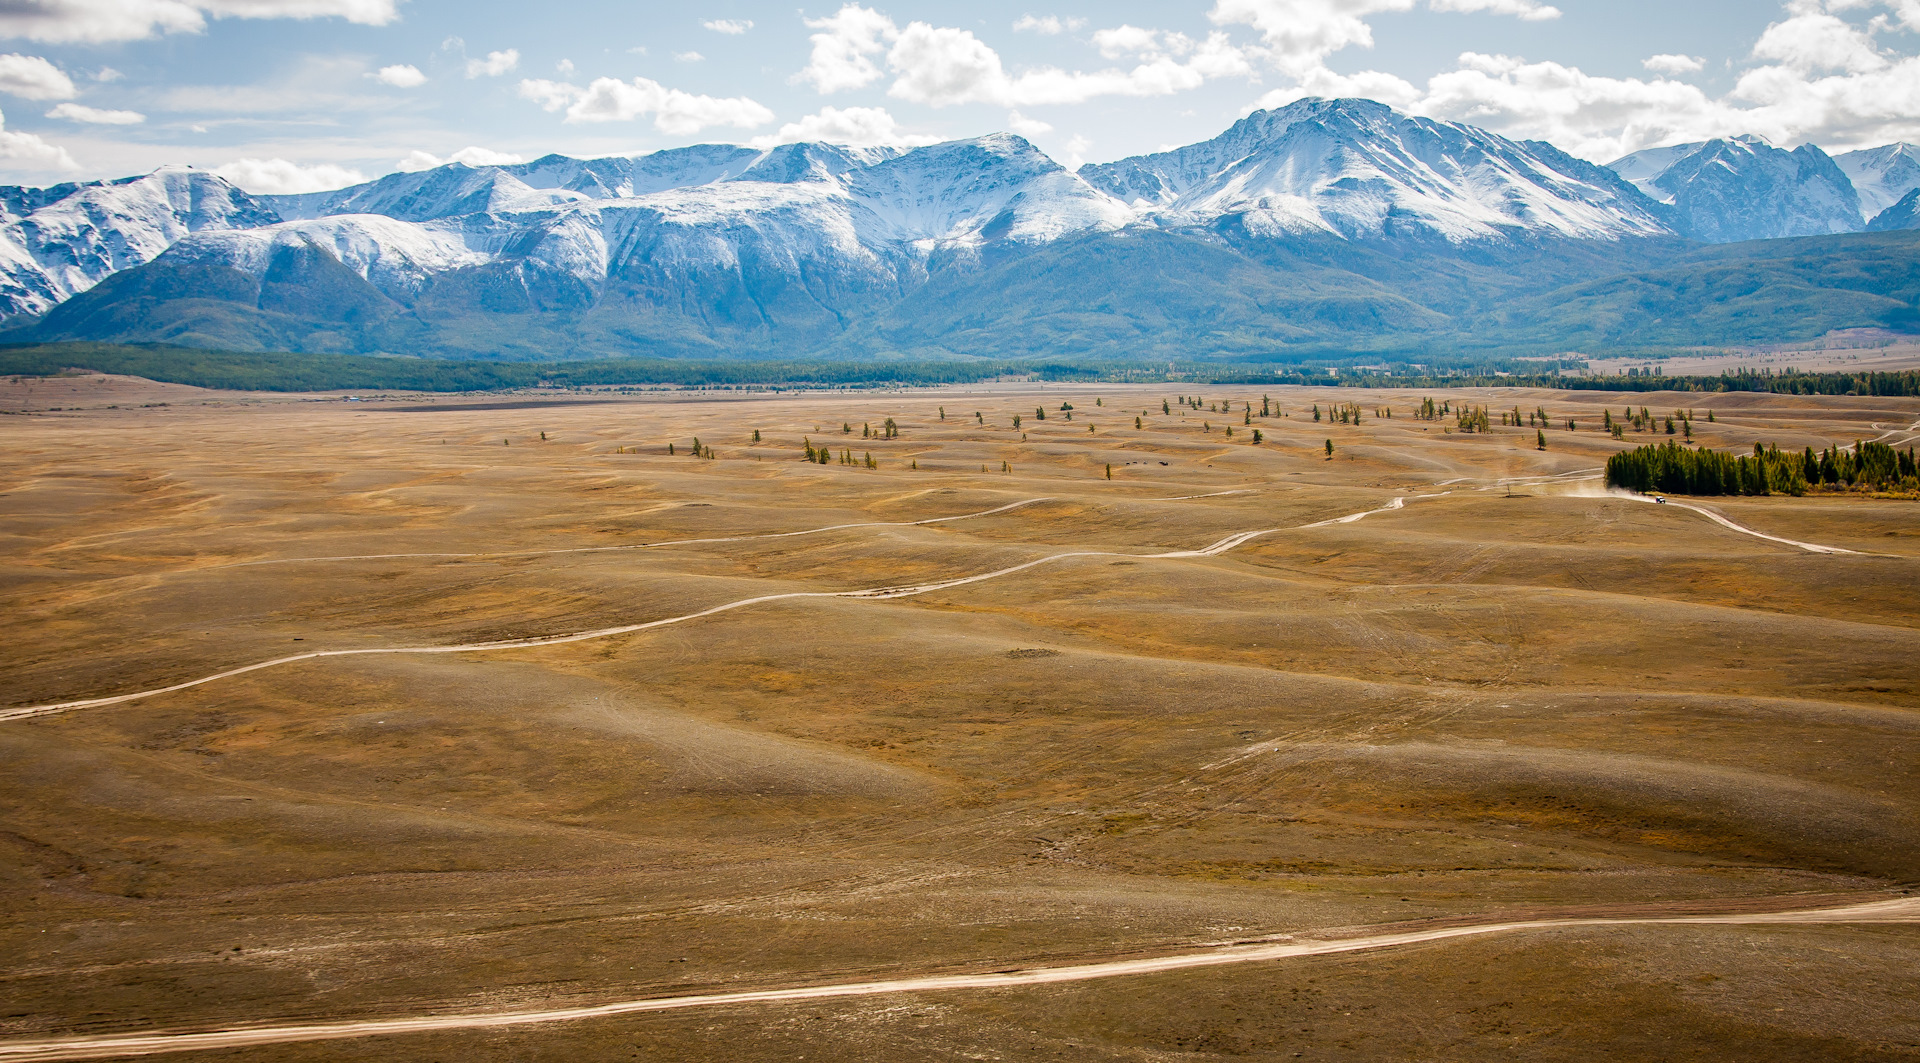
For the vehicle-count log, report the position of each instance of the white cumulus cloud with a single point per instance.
(945, 65)
(1669, 63)
(29, 150)
(400, 76)
(112, 21)
(1048, 25)
(731, 26)
(844, 48)
(278, 177)
(74, 112)
(1124, 40)
(1026, 127)
(495, 64)
(860, 127)
(688, 57)
(674, 111)
(1528, 10)
(34, 78)
(1301, 34)
(471, 156)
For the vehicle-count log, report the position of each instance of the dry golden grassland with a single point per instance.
(1514, 694)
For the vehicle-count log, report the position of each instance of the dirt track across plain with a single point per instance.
(1895, 911)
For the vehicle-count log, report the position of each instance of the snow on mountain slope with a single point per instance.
(683, 224)
(868, 217)
(971, 191)
(67, 243)
(1359, 169)
(397, 257)
(1643, 168)
(1882, 176)
(1902, 215)
(1744, 188)
(442, 192)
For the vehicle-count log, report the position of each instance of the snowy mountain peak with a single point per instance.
(71, 237)
(1744, 188)
(1883, 176)
(1361, 170)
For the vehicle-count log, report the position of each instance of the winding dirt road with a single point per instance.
(870, 593)
(1813, 548)
(1900, 910)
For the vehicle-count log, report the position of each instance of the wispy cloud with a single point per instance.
(75, 112)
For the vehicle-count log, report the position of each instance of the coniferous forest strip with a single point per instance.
(280, 371)
(1678, 470)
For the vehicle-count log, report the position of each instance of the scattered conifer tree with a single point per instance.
(756, 435)
(669, 450)
(1329, 450)
(1109, 470)
(1542, 434)
(1256, 437)
(1136, 422)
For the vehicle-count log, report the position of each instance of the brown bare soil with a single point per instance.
(1502, 699)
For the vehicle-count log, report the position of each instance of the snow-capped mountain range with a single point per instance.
(822, 228)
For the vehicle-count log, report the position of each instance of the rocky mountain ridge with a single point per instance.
(708, 243)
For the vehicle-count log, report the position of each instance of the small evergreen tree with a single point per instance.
(1329, 450)
(1541, 433)
(756, 435)
(1256, 437)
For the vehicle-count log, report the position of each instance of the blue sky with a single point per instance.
(291, 95)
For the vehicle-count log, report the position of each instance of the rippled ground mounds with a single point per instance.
(1513, 695)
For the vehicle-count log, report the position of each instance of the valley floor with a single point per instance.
(1501, 695)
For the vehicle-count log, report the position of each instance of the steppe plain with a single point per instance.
(1512, 696)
